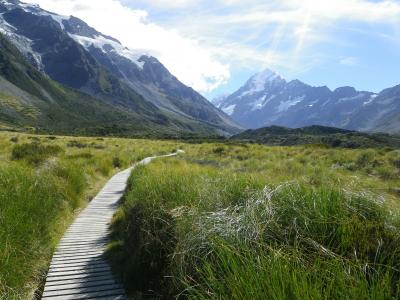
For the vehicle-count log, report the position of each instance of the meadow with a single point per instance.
(238, 221)
(222, 220)
(44, 182)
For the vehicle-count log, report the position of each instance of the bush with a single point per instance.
(365, 158)
(104, 167)
(34, 153)
(117, 162)
(219, 150)
(76, 144)
(147, 239)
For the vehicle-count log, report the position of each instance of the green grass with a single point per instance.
(228, 221)
(44, 182)
(34, 153)
(255, 222)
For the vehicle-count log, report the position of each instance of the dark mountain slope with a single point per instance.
(74, 54)
(30, 99)
(329, 136)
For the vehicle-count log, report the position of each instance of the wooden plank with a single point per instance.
(75, 285)
(79, 269)
(83, 289)
(72, 282)
(94, 295)
(56, 281)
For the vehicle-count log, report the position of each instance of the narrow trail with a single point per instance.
(78, 268)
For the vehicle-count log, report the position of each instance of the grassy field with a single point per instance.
(44, 182)
(256, 222)
(227, 221)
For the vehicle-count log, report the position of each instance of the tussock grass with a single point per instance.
(44, 182)
(34, 153)
(251, 222)
(221, 221)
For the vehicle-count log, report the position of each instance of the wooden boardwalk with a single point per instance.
(79, 269)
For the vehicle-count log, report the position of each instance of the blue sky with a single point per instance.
(215, 46)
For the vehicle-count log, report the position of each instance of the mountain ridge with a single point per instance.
(76, 55)
(294, 104)
(317, 135)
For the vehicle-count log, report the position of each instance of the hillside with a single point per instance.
(74, 54)
(333, 137)
(30, 99)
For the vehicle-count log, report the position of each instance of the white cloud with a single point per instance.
(201, 41)
(349, 61)
(287, 29)
(185, 57)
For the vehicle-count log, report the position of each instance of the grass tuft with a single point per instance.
(34, 153)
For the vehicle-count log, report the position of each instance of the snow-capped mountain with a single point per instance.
(268, 99)
(76, 55)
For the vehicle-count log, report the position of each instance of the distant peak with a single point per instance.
(261, 80)
(345, 91)
(266, 75)
(296, 83)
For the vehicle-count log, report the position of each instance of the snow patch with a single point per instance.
(258, 82)
(285, 105)
(36, 10)
(359, 96)
(59, 19)
(23, 44)
(370, 99)
(260, 79)
(261, 102)
(229, 109)
(100, 42)
(219, 100)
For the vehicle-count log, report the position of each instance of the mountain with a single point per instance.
(74, 54)
(29, 99)
(311, 135)
(218, 100)
(382, 114)
(267, 99)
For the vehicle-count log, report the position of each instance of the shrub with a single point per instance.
(365, 158)
(387, 173)
(34, 153)
(104, 167)
(219, 150)
(97, 146)
(147, 240)
(76, 144)
(83, 155)
(14, 139)
(117, 162)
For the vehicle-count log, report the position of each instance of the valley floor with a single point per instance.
(228, 221)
